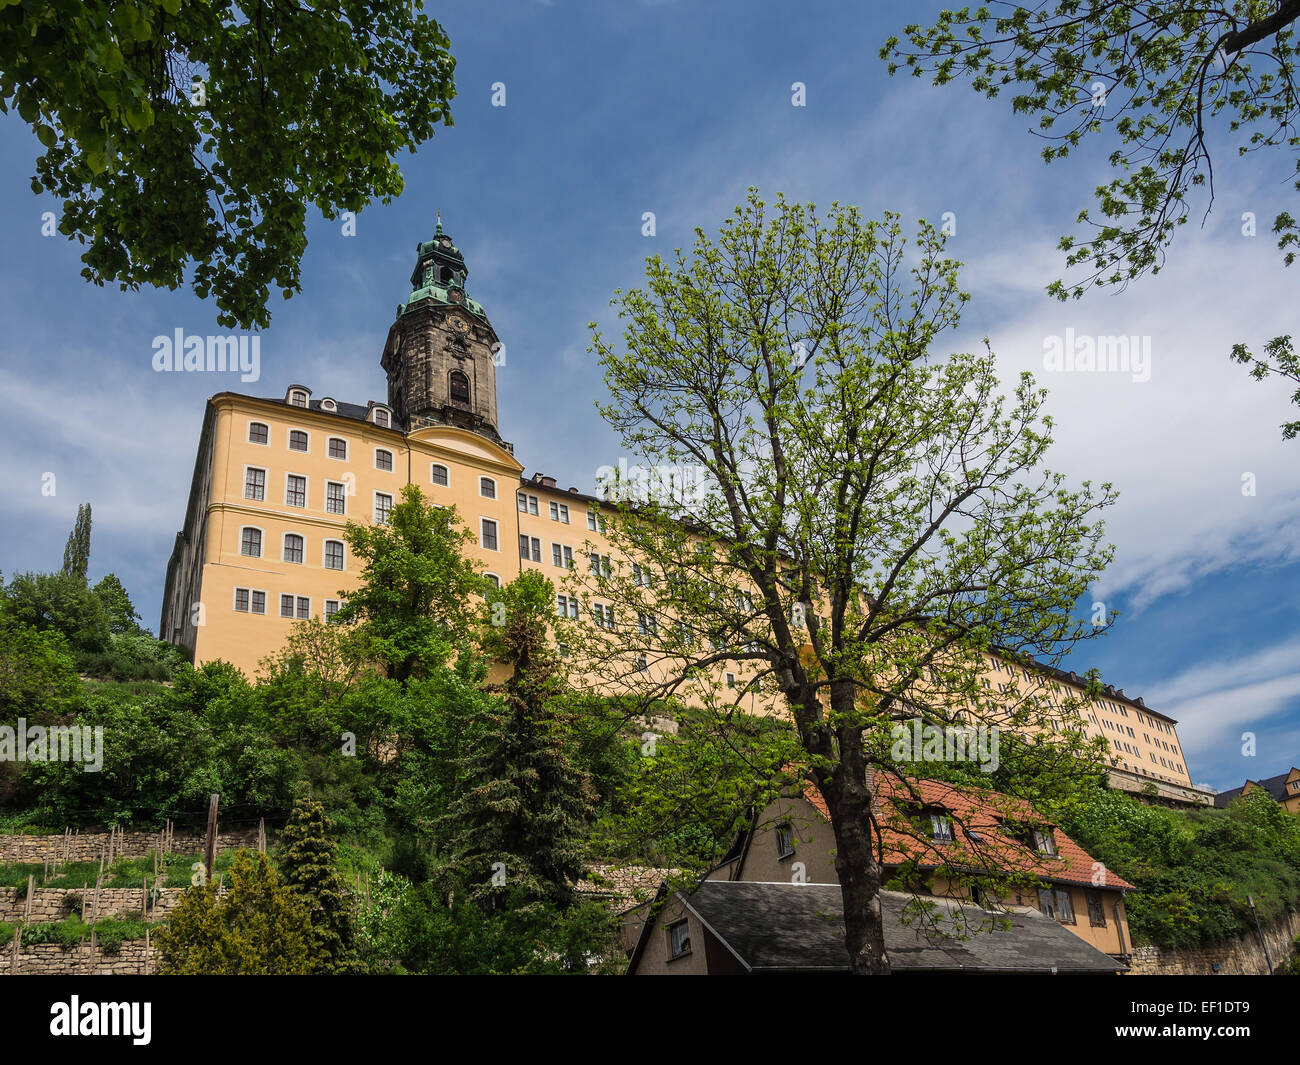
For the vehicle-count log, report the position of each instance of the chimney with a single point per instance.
(572, 490)
(547, 482)
(1141, 703)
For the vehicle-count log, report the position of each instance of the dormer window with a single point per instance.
(382, 417)
(298, 397)
(1043, 841)
(784, 840)
(941, 828)
(328, 404)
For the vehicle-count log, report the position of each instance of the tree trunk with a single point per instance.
(848, 801)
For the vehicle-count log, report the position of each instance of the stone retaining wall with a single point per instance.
(134, 958)
(52, 904)
(91, 846)
(1235, 957)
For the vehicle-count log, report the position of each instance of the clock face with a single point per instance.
(459, 324)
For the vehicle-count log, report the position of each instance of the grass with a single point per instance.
(110, 932)
(177, 869)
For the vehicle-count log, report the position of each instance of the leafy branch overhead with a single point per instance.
(189, 138)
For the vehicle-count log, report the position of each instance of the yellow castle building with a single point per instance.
(276, 481)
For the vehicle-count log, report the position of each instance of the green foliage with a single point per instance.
(76, 553)
(415, 586)
(257, 927)
(1152, 79)
(516, 825)
(122, 617)
(307, 859)
(179, 133)
(1194, 869)
(58, 602)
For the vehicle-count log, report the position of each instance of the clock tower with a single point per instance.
(442, 352)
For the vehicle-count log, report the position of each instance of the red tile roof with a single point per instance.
(981, 840)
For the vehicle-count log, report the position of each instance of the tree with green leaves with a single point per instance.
(517, 826)
(58, 601)
(76, 552)
(872, 520)
(414, 588)
(181, 135)
(1160, 80)
(308, 859)
(122, 617)
(255, 927)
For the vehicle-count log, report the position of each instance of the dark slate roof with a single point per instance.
(800, 928)
(1275, 786)
(355, 411)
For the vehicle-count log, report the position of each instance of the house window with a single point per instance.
(560, 512)
(297, 398)
(604, 615)
(259, 602)
(438, 474)
(304, 608)
(295, 491)
(1064, 908)
(600, 566)
(784, 840)
(641, 664)
(383, 459)
(458, 387)
(336, 497)
(1043, 841)
(493, 580)
(1096, 910)
(566, 606)
(241, 600)
(383, 508)
(487, 488)
(259, 433)
(645, 623)
(254, 483)
(527, 503)
(328, 404)
(293, 544)
(338, 448)
(530, 547)
(679, 939)
(731, 680)
(286, 606)
(591, 521)
(381, 418)
(331, 608)
(562, 556)
(640, 575)
(297, 440)
(489, 534)
(333, 554)
(250, 542)
(941, 828)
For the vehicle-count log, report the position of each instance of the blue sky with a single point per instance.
(613, 110)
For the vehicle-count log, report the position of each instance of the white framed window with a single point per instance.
(328, 404)
(259, 433)
(383, 508)
(332, 554)
(488, 539)
(487, 488)
(250, 601)
(527, 503)
(242, 600)
(293, 548)
(337, 448)
(603, 615)
(640, 575)
(562, 556)
(336, 497)
(493, 580)
(645, 623)
(254, 483)
(250, 541)
(382, 417)
(731, 680)
(295, 490)
(297, 397)
(383, 459)
(438, 474)
(530, 548)
(566, 606)
(600, 564)
(299, 440)
(296, 607)
(941, 828)
(331, 608)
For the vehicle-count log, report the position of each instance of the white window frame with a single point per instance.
(326, 501)
(283, 544)
(248, 436)
(288, 435)
(326, 613)
(261, 544)
(445, 469)
(392, 468)
(265, 474)
(496, 533)
(324, 554)
(490, 480)
(374, 507)
(488, 575)
(306, 398)
(347, 448)
(376, 411)
(306, 490)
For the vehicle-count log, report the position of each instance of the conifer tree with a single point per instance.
(76, 553)
(308, 859)
(517, 828)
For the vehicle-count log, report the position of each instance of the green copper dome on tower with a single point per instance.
(439, 275)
